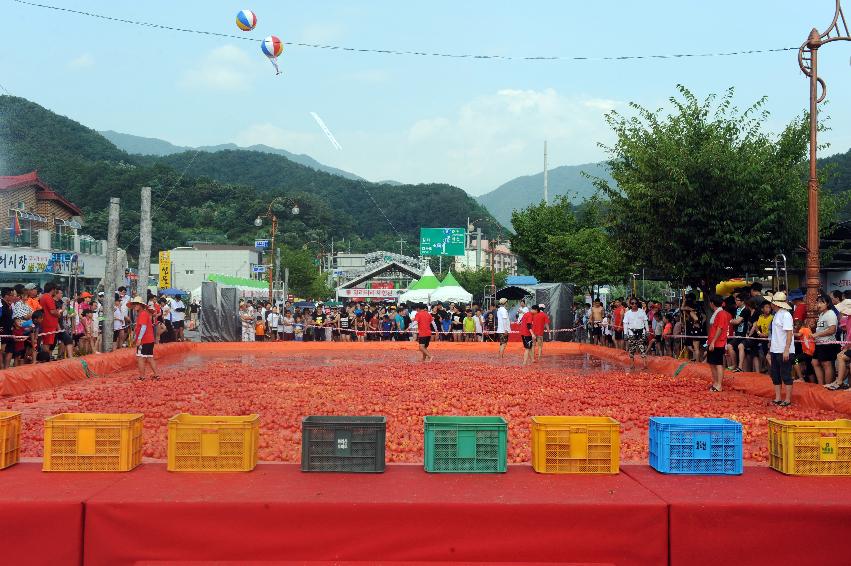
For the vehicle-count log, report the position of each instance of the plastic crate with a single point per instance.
(810, 448)
(465, 444)
(10, 438)
(695, 446)
(92, 442)
(213, 444)
(343, 444)
(575, 445)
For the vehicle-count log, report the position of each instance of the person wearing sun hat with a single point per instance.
(503, 326)
(781, 348)
(145, 338)
(843, 361)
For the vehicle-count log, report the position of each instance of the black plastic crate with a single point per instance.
(343, 444)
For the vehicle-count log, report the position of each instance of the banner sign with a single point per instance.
(442, 241)
(261, 244)
(165, 270)
(21, 261)
(63, 264)
(838, 280)
(258, 269)
(372, 293)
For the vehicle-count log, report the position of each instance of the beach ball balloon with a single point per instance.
(246, 20)
(272, 46)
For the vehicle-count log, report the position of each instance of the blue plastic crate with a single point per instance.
(695, 446)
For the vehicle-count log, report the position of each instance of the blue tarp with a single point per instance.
(521, 280)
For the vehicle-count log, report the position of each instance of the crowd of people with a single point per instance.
(362, 322)
(41, 325)
(750, 330)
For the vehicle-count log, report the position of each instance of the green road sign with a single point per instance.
(442, 241)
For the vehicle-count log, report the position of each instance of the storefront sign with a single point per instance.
(838, 281)
(373, 293)
(22, 261)
(63, 264)
(165, 270)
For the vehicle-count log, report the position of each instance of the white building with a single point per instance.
(503, 258)
(191, 265)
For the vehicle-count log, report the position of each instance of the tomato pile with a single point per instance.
(286, 387)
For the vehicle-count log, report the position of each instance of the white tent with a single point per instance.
(416, 296)
(451, 292)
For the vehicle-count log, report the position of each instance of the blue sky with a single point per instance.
(472, 123)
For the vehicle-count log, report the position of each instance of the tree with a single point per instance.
(476, 280)
(305, 278)
(560, 244)
(702, 193)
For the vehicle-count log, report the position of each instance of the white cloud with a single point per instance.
(226, 68)
(84, 61)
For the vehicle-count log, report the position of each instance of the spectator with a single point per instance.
(825, 334)
(781, 348)
(719, 328)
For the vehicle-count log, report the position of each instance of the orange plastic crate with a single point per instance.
(92, 442)
(575, 445)
(10, 438)
(213, 444)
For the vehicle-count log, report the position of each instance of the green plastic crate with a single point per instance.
(465, 444)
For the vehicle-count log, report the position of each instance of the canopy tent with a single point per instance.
(557, 299)
(420, 291)
(451, 292)
(171, 292)
(251, 288)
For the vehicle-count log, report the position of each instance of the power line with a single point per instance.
(416, 53)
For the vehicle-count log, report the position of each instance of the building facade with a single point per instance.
(475, 258)
(192, 265)
(41, 238)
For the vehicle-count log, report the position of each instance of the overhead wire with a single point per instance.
(418, 53)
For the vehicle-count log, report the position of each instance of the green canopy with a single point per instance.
(427, 281)
(449, 281)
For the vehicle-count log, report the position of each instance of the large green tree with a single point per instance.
(703, 193)
(305, 278)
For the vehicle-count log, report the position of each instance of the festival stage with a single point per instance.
(280, 515)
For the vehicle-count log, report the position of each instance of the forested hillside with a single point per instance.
(216, 196)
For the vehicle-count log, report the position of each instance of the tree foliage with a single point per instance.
(305, 278)
(703, 192)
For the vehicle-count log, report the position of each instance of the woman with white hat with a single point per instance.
(781, 348)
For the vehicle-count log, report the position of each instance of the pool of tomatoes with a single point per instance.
(284, 388)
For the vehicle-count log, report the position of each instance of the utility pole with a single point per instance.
(479, 247)
(277, 266)
(109, 276)
(144, 244)
(546, 187)
(401, 243)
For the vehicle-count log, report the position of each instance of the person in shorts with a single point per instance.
(503, 326)
(826, 347)
(716, 343)
(527, 336)
(145, 338)
(781, 348)
(424, 322)
(635, 325)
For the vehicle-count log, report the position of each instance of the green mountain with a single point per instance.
(216, 196)
(154, 146)
(521, 192)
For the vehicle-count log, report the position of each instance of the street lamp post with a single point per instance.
(808, 62)
(272, 230)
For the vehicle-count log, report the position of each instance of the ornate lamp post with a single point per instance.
(272, 230)
(808, 61)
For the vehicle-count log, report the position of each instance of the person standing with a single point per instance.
(826, 347)
(595, 322)
(144, 338)
(521, 310)
(246, 319)
(424, 321)
(178, 316)
(8, 295)
(781, 348)
(503, 326)
(618, 313)
(527, 336)
(50, 322)
(634, 323)
(540, 326)
(716, 344)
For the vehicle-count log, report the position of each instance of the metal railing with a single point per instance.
(62, 242)
(93, 247)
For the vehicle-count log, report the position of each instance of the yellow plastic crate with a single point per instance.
(575, 445)
(213, 444)
(810, 448)
(92, 442)
(10, 438)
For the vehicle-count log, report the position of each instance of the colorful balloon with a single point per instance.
(272, 47)
(246, 20)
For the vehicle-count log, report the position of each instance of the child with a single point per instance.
(469, 327)
(386, 328)
(762, 329)
(667, 335)
(657, 328)
(19, 346)
(40, 352)
(259, 329)
(372, 325)
(92, 330)
(272, 321)
(298, 329)
(446, 327)
(480, 325)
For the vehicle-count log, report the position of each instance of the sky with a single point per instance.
(473, 123)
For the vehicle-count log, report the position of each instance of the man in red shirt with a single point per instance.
(617, 323)
(50, 322)
(144, 338)
(527, 335)
(424, 320)
(540, 325)
(719, 328)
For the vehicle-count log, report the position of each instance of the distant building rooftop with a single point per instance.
(521, 280)
(44, 192)
(222, 247)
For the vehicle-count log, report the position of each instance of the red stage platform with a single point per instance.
(760, 517)
(280, 513)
